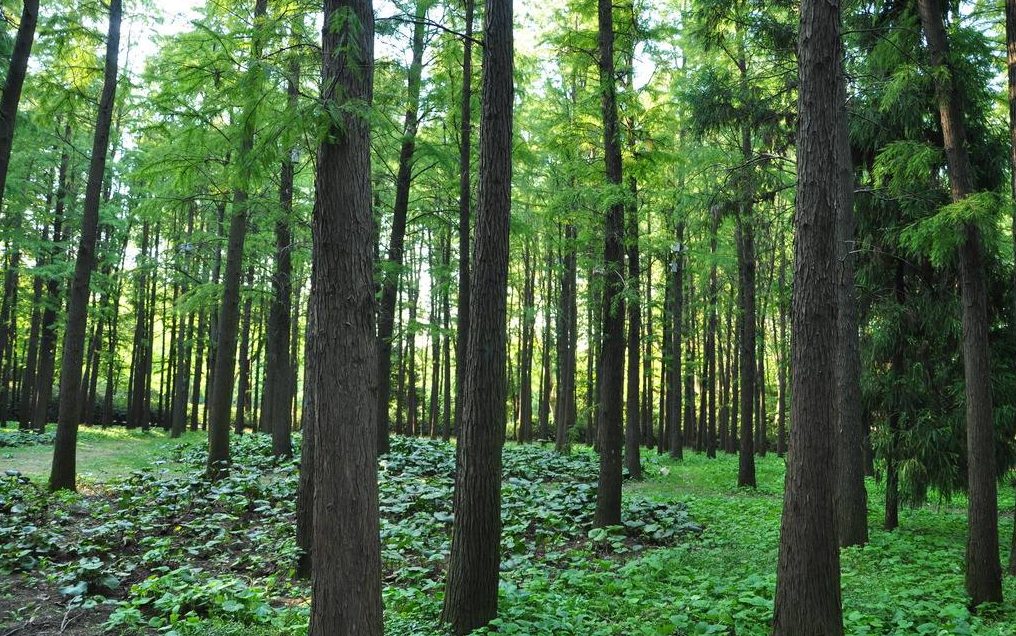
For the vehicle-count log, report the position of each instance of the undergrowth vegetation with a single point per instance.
(163, 551)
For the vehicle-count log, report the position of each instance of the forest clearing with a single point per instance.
(452, 317)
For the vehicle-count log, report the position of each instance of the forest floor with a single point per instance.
(149, 547)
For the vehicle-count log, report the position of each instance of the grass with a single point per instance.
(903, 583)
(103, 455)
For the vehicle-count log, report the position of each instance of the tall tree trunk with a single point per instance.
(710, 348)
(850, 494)
(465, 189)
(305, 489)
(567, 341)
(13, 83)
(676, 370)
(610, 432)
(31, 355)
(808, 569)
(471, 592)
(403, 182)
(746, 374)
(65, 447)
(526, 350)
(278, 394)
(984, 570)
(892, 478)
(219, 413)
(243, 385)
(346, 537)
(633, 416)
(547, 342)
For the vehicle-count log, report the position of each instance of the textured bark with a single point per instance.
(710, 348)
(850, 494)
(403, 182)
(31, 355)
(746, 352)
(346, 581)
(471, 592)
(228, 323)
(808, 599)
(983, 568)
(62, 475)
(465, 150)
(243, 383)
(610, 435)
(278, 393)
(547, 342)
(897, 371)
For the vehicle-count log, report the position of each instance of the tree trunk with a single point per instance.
(808, 599)
(984, 570)
(219, 413)
(1010, 40)
(471, 592)
(710, 352)
(528, 337)
(65, 446)
(465, 189)
(278, 395)
(13, 83)
(243, 385)
(567, 341)
(676, 370)
(610, 433)
(850, 494)
(633, 416)
(346, 537)
(305, 490)
(746, 374)
(403, 182)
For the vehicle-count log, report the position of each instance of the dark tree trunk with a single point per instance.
(198, 365)
(65, 446)
(746, 374)
(610, 432)
(465, 133)
(892, 480)
(547, 342)
(808, 599)
(243, 385)
(403, 182)
(633, 416)
(567, 339)
(278, 395)
(305, 491)
(31, 355)
(850, 494)
(710, 348)
(446, 306)
(525, 433)
(12, 91)
(471, 593)
(781, 372)
(219, 413)
(984, 570)
(346, 537)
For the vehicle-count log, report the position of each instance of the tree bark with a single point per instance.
(471, 592)
(808, 601)
(63, 474)
(228, 323)
(567, 340)
(983, 568)
(676, 332)
(633, 416)
(1010, 41)
(346, 581)
(850, 494)
(403, 183)
(15, 80)
(610, 432)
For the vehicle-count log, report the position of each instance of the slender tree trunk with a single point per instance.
(13, 83)
(64, 448)
(31, 356)
(278, 394)
(710, 348)
(219, 414)
(746, 374)
(526, 350)
(808, 599)
(547, 342)
(610, 431)
(403, 182)
(567, 342)
(892, 481)
(1010, 40)
(346, 580)
(465, 189)
(984, 570)
(850, 494)
(471, 592)
(243, 386)
(633, 416)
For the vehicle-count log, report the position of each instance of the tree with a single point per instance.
(610, 435)
(808, 571)
(983, 569)
(346, 578)
(63, 472)
(471, 590)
